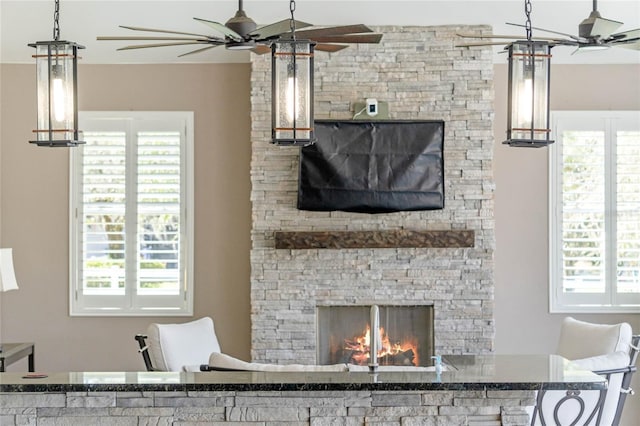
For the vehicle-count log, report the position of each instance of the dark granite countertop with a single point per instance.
(463, 372)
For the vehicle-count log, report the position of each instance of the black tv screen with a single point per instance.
(373, 166)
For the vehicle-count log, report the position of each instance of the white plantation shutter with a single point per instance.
(159, 212)
(583, 211)
(132, 232)
(101, 214)
(595, 212)
(628, 218)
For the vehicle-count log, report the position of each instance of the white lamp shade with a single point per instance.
(7, 274)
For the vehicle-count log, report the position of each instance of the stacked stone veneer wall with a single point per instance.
(422, 75)
(322, 408)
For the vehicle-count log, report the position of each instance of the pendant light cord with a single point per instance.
(292, 23)
(56, 23)
(527, 11)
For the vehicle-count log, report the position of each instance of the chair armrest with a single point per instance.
(205, 367)
(628, 369)
(144, 351)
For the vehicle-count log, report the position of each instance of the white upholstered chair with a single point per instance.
(609, 350)
(178, 347)
(193, 346)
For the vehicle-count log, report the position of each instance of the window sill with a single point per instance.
(579, 309)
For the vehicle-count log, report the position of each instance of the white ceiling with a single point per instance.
(27, 21)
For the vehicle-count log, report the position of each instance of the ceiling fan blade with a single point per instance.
(226, 31)
(132, 38)
(350, 38)
(571, 36)
(276, 29)
(515, 37)
(329, 31)
(561, 42)
(153, 30)
(330, 47)
(507, 37)
(604, 27)
(626, 35)
(144, 46)
(625, 43)
(633, 46)
(198, 50)
(261, 49)
(628, 39)
(483, 43)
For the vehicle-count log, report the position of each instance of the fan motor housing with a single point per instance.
(586, 26)
(241, 45)
(241, 24)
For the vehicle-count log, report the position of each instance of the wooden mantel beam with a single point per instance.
(374, 239)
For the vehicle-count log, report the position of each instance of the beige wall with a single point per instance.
(34, 207)
(523, 321)
(34, 204)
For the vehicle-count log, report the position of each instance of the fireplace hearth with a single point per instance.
(405, 335)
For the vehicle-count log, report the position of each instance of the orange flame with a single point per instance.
(360, 347)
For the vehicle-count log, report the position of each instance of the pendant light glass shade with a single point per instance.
(292, 92)
(57, 93)
(528, 94)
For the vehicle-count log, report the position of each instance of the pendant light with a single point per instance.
(57, 89)
(292, 89)
(528, 91)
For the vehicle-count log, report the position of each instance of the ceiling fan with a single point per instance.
(594, 32)
(242, 33)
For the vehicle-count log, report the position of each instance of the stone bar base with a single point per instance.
(316, 408)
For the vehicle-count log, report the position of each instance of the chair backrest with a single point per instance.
(182, 347)
(580, 339)
(609, 350)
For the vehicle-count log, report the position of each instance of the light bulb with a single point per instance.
(293, 108)
(525, 102)
(59, 93)
(59, 100)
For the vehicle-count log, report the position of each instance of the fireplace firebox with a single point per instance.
(405, 335)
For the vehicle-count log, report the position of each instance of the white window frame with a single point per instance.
(132, 304)
(610, 301)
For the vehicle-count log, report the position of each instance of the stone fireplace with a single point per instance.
(420, 73)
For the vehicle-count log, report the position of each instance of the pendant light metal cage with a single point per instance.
(57, 93)
(528, 91)
(292, 92)
(57, 89)
(528, 94)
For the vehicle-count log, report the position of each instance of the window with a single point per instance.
(132, 214)
(595, 212)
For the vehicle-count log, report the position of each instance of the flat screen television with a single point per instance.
(373, 166)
